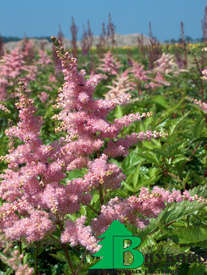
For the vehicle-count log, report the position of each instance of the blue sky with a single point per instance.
(42, 17)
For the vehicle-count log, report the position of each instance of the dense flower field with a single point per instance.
(119, 134)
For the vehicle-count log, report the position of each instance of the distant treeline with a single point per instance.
(188, 39)
(15, 38)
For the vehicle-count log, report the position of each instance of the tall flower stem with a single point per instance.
(67, 256)
(101, 194)
(94, 210)
(200, 72)
(20, 247)
(65, 249)
(35, 261)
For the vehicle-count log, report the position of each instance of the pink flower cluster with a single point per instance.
(166, 65)
(109, 65)
(138, 71)
(84, 118)
(150, 82)
(76, 233)
(122, 145)
(28, 51)
(43, 96)
(204, 73)
(23, 183)
(122, 84)
(12, 65)
(44, 59)
(202, 105)
(138, 210)
(15, 262)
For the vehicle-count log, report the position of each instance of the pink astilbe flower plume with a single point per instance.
(44, 59)
(83, 117)
(109, 65)
(43, 96)
(15, 260)
(138, 71)
(144, 76)
(12, 66)
(201, 104)
(21, 186)
(166, 64)
(76, 233)
(35, 201)
(158, 81)
(28, 50)
(122, 84)
(138, 210)
(204, 74)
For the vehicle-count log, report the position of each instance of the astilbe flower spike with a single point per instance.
(158, 81)
(122, 84)
(204, 74)
(166, 64)
(142, 75)
(33, 197)
(14, 260)
(201, 104)
(138, 71)
(138, 210)
(28, 50)
(83, 117)
(109, 65)
(12, 65)
(44, 59)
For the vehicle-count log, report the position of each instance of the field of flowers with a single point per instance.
(86, 139)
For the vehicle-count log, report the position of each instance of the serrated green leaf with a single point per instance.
(197, 269)
(200, 190)
(118, 112)
(135, 179)
(150, 156)
(178, 122)
(83, 210)
(161, 101)
(176, 211)
(172, 213)
(197, 131)
(95, 198)
(192, 234)
(59, 256)
(180, 158)
(127, 186)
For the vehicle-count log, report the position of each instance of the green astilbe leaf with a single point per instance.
(201, 191)
(171, 214)
(192, 234)
(176, 211)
